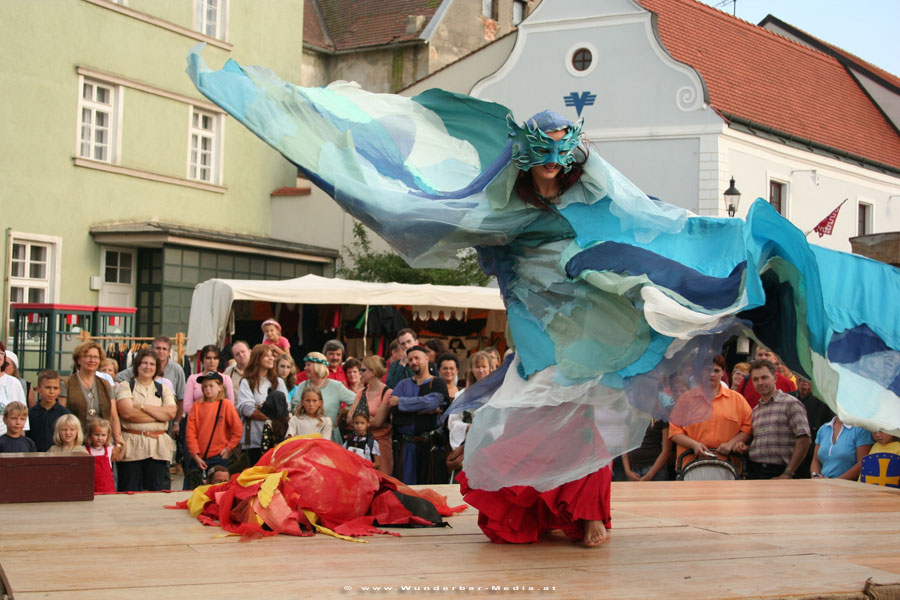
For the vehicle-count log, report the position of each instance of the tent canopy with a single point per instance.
(211, 304)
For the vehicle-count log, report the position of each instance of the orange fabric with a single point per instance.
(730, 415)
(227, 432)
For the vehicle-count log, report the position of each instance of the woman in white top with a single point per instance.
(259, 378)
(145, 408)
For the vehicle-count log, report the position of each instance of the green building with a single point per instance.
(119, 184)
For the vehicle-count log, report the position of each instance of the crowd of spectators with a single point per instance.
(766, 422)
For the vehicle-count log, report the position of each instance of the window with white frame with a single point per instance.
(205, 133)
(33, 269)
(863, 219)
(29, 272)
(97, 121)
(210, 17)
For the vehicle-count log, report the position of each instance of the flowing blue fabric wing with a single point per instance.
(606, 296)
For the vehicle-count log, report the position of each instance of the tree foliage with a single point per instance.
(362, 263)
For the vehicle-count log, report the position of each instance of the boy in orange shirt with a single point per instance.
(213, 426)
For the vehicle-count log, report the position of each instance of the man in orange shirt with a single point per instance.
(728, 424)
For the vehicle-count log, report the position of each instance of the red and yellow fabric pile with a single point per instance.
(308, 484)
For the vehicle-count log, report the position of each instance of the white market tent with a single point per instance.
(212, 317)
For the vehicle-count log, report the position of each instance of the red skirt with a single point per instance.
(519, 514)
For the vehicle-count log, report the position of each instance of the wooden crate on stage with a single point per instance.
(45, 477)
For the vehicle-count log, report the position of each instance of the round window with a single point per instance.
(582, 59)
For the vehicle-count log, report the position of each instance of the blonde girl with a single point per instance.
(67, 436)
(99, 446)
(310, 417)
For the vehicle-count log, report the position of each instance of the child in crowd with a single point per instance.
(310, 415)
(109, 366)
(43, 415)
(14, 440)
(213, 429)
(272, 336)
(739, 373)
(217, 474)
(360, 441)
(287, 370)
(99, 446)
(67, 436)
(885, 442)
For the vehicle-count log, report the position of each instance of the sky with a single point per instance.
(866, 28)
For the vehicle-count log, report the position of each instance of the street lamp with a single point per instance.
(732, 199)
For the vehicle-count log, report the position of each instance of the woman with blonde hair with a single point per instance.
(88, 396)
(334, 393)
(480, 366)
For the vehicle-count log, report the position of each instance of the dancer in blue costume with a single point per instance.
(606, 289)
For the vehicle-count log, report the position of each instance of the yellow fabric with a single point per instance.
(253, 475)
(311, 516)
(198, 500)
(269, 487)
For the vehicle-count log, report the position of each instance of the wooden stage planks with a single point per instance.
(714, 540)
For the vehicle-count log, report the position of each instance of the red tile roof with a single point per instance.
(762, 77)
(353, 24)
(314, 32)
(827, 48)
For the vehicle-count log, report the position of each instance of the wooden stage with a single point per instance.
(742, 539)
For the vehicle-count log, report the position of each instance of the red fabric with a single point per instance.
(749, 391)
(344, 490)
(519, 514)
(103, 475)
(826, 225)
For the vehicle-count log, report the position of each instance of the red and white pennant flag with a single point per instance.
(826, 225)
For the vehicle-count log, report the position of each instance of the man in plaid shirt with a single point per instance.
(780, 428)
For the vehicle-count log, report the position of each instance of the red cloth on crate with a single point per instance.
(519, 514)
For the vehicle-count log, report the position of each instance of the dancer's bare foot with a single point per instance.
(594, 534)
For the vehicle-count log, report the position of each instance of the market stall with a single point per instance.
(212, 312)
